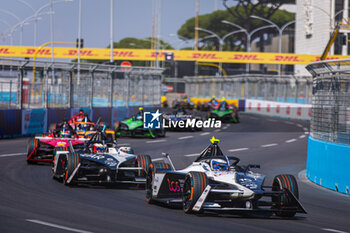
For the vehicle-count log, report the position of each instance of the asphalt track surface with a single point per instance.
(31, 201)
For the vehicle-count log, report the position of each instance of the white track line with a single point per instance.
(155, 141)
(206, 133)
(271, 120)
(57, 226)
(191, 155)
(8, 155)
(291, 140)
(238, 149)
(300, 125)
(217, 130)
(185, 137)
(333, 230)
(306, 132)
(269, 145)
(306, 129)
(225, 127)
(124, 144)
(289, 123)
(302, 136)
(157, 159)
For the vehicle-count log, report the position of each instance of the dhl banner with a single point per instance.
(179, 55)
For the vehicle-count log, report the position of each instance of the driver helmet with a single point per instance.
(140, 108)
(223, 99)
(65, 133)
(218, 165)
(99, 148)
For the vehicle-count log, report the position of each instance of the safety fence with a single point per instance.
(291, 89)
(329, 144)
(42, 84)
(331, 101)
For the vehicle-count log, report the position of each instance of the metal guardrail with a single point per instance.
(58, 85)
(287, 88)
(331, 101)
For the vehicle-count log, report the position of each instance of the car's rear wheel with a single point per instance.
(161, 165)
(161, 133)
(280, 183)
(143, 161)
(71, 165)
(193, 187)
(32, 147)
(149, 185)
(58, 163)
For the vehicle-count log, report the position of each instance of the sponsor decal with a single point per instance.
(151, 120)
(191, 123)
(61, 144)
(174, 186)
(149, 55)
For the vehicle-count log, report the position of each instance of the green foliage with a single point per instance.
(241, 16)
(130, 42)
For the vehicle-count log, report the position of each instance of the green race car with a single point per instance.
(133, 127)
(226, 115)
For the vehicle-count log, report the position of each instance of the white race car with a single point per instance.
(99, 162)
(215, 182)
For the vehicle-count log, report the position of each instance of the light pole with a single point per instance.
(249, 36)
(8, 25)
(30, 7)
(111, 31)
(220, 39)
(36, 14)
(280, 31)
(79, 40)
(16, 17)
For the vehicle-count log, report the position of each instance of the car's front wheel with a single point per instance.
(280, 183)
(193, 187)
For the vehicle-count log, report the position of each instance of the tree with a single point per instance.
(239, 14)
(132, 43)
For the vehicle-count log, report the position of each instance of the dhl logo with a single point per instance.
(123, 54)
(41, 52)
(204, 56)
(82, 53)
(287, 58)
(4, 51)
(246, 57)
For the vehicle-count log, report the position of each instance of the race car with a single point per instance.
(185, 103)
(225, 113)
(215, 182)
(87, 129)
(100, 161)
(41, 148)
(172, 121)
(133, 127)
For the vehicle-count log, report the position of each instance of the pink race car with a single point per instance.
(42, 148)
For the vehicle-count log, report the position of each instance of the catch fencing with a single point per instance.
(291, 89)
(42, 84)
(331, 101)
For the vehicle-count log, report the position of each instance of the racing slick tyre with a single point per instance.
(71, 164)
(161, 133)
(193, 187)
(161, 166)
(32, 146)
(144, 162)
(280, 183)
(149, 184)
(58, 169)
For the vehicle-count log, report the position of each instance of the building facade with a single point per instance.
(315, 22)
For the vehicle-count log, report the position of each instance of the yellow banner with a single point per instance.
(179, 55)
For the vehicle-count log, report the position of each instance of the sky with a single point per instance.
(132, 18)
